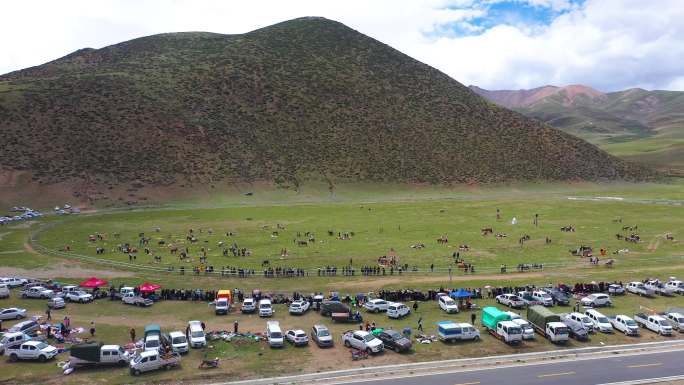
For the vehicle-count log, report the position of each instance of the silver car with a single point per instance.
(12, 313)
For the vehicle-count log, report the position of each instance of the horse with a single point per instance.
(486, 231)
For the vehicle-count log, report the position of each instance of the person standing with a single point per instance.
(473, 317)
(132, 333)
(235, 327)
(48, 313)
(92, 328)
(420, 324)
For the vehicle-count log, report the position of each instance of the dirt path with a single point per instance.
(653, 246)
(2, 235)
(62, 270)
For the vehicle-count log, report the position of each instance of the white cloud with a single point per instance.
(608, 44)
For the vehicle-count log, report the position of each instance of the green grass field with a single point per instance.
(399, 216)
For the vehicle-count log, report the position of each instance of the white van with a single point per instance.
(4, 291)
(265, 308)
(600, 321)
(274, 334)
(196, 335)
(178, 341)
(397, 310)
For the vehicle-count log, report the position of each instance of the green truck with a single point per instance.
(498, 323)
(548, 324)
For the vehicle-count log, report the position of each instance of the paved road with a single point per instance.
(583, 372)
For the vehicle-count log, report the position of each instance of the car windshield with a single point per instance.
(197, 334)
(586, 320)
(680, 320)
(368, 337)
(561, 331)
(449, 301)
(41, 346)
(515, 298)
(323, 333)
(295, 305)
(603, 320)
(265, 306)
(152, 343)
(178, 340)
(514, 330)
(300, 335)
(630, 322)
(276, 335)
(546, 296)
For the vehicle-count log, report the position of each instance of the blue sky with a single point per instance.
(496, 44)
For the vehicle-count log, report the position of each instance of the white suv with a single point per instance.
(376, 305)
(299, 307)
(543, 297)
(447, 304)
(248, 306)
(596, 300)
(265, 308)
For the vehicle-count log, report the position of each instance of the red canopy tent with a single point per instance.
(93, 283)
(148, 287)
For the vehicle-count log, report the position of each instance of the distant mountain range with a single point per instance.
(640, 125)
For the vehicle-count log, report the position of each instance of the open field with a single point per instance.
(404, 217)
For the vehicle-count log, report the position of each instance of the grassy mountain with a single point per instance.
(640, 125)
(306, 98)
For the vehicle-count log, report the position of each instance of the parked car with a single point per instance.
(558, 296)
(265, 308)
(299, 307)
(615, 289)
(543, 297)
(29, 327)
(297, 337)
(32, 350)
(600, 321)
(397, 310)
(449, 331)
(321, 335)
(4, 291)
(579, 319)
(376, 305)
(527, 298)
(330, 307)
(79, 296)
(152, 360)
(136, 300)
(56, 303)
(447, 304)
(596, 300)
(654, 323)
(510, 300)
(525, 325)
(12, 313)
(362, 340)
(676, 285)
(196, 334)
(625, 324)
(94, 354)
(13, 282)
(577, 331)
(12, 340)
(37, 292)
(639, 288)
(659, 288)
(394, 340)
(676, 320)
(179, 342)
(248, 306)
(274, 335)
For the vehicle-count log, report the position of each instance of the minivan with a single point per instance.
(265, 308)
(274, 334)
(196, 334)
(178, 341)
(397, 310)
(29, 327)
(4, 291)
(321, 335)
(601, 322)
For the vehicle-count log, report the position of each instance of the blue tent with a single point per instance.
(460, 293)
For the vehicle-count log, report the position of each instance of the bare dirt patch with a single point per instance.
(62, 270)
